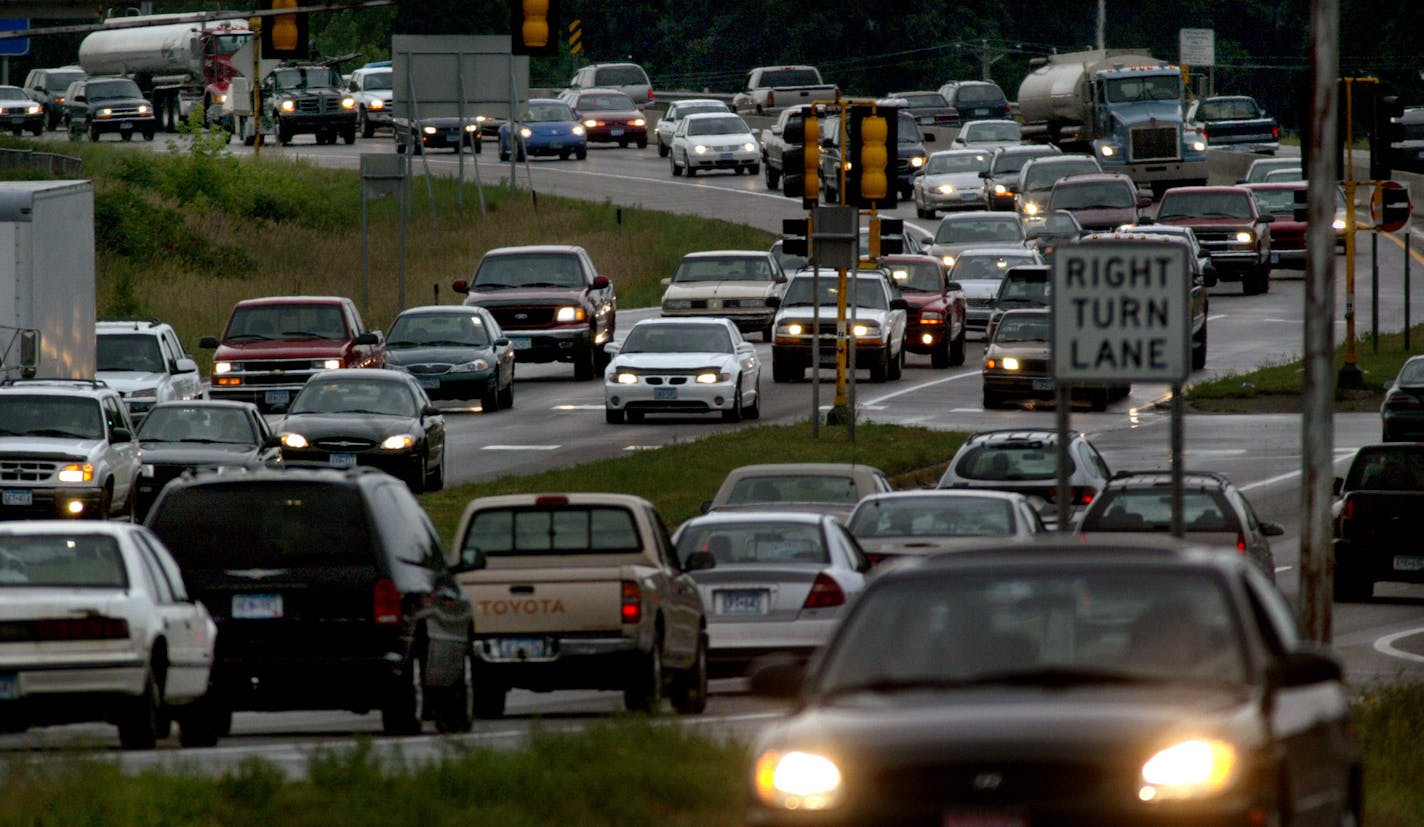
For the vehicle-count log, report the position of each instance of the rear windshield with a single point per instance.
(556, 530)
(61, 560)
(755, 543)
(1228, 109)
(978, 93)
(1387, 469)
(268, 525)
(790, 77)
(1150, 509)
(988, 228)
(810, 488)
(59, 81)
(1007, 462)
(934, 516)
(620, 76)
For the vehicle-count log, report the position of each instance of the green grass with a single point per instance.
(1288, 378)
(1390, 721)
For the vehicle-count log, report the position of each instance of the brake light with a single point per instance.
(1349, 510)
(874, 559)
(386, 602)
(650, 93)
(825, 593)
(81, 628)
(1240, 543)
(1275, 132)
(770, 99)
(1402, 401)
(551, 500)
(1077, 495)
(632, 609)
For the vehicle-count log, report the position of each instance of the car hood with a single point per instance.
(803, 312)
(665, 361)
(48, 447)
(281, 349)
(720, 290)
(940, 249)
(1165, 113)
(374, 427)
(960, 180)
(1214, 223)
(187, 453)
(550, 129)
(610, 114)
(116, 102)
(128, 381)
(524, 296)
(443, 355)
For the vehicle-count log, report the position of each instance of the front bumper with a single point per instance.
(312, 124)
(405, 464)
(867, 355)
(688, 397)
(145, 124)
(451, 385)
(29, 503)
(549, 345)
(735, 159)
(957, 200)
(1146, 172)
(925, 338)
(616, 134)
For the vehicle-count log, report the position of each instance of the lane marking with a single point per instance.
(956, 377)
(1340, 453)
(1217, 316)
(1385, 646)
(577, 408)
(1413, 251)
(1280, 569)
(521, 447)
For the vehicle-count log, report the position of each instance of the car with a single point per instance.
(48, 87)
(682, 366)
(1235, 122)
(1375, 510)
(19, 112)
(790, 262)
(371, 87)
(744, 286)
(550, 301)
(608, 116)
(1016, 364)
(1101, 201)
(711, 141)
(774, 584)
(1277, 198)
(330, 591)
(935, 316)
(1038, 175)
(454, 352)
(628, 78)
(976, 99)
(1232, 228)
(1002, 175)
(1187, 234)
(928, 108)
(71, 447)
(1402, 411)
(979, 270)
(988, 135)
(1050, 230)
(1024, 286)
(916, 523)
(97, 106)
(548, 127)
(910, 155)
(1256, 172)
(820, 487)
(1026, 460)
(1277, 176)
(949, 180)
(437, 132)
(965, 230)
(876, 320)
(144, 361)
(99, 626)
(362, 416)
(1061, 683)
(675, 112)
(180, 437)
(775, 149)
(913, 240)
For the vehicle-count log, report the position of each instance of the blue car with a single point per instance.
(548, 127)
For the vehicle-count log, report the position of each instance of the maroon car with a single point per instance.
(609, 116)
(1099, 200)
(1229, 226)
(934, 323)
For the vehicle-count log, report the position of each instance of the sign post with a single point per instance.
(1197, 47)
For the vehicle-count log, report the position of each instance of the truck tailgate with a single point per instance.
(573, 600)
(1382, 515)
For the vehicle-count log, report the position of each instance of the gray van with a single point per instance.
(628, 78)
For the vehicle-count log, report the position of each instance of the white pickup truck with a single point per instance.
(769, 88)
(579, 591)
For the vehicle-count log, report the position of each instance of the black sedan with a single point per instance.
(454, 352)
(437, 133)
(197, 434)
(1062, 684)
(366, 416)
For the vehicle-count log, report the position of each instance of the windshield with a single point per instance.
(1153, 88)
(197, 423)
(376, 81)
(1057, 222)
(1011, 461)
(1275, 202)
(990, 131)
(790, 77)
(228, 44)
(727, 125)
(605, 102)
(1027, 327)
(1093, 197)
(78, 560)
(686, 109)
(1228, 109)
(1150, 509)
(545, 112)
(123, 352)
(1023, 626)
(732, 268)
(528, 270)
(311, 77)
(868, 293)
(71, 417)
(757, 543)
(13, 93)
(111, 90)
(933, 516)
(1205, 205)
(907, 130)
(1042, 175)
(944, 163)
(353, 395)
(59, 81)
(987, 228)
(1025, 287)
(438, 330)
(677, 338)
(260, 322)
(972, 265)
(917, 275)
(1007, 164)
(924, 100)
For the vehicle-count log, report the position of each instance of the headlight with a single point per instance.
(376, 104)
(917, 162)
(1199, 145)
(1338, 224)
(525, 132)
(222, 98)
(399, 442)
(222, 367)
(77, 473)
(626, 378)
(578, 130)
(798, 781)
(639, 122)
(1190, 769)
(429, 130)
(1031, 208)
(571, 314)
(288, 106)
(477, 364)
(1010, 363)
(678, 304)
(700, 149)
(712, 377)
(1108, 150)
(1245, 237)
(105, 112)
(948, 260)
(1000, 189)
(330, 364)
(862, 330)
(749, 147)
(348, 103)
(34, 109)
(474, 127)
(795, 329)
(590, 123)
(945, 189)
(294, 441)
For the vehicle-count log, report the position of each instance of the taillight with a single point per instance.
(1349, 510)
(632, 609)
(1275, 132)
(1077, 495)
(386, 602)
(1402, 402)
(1240, 542)
(650, 93)
(81, 628)
(873, 559)
(825, 593)
(770, 99)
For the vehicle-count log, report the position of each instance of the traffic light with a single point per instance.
(795, 237)
(534, 27)
(284, 36)
(1301, 211)
(801, 159)
(871, 143)
(1385, 131)
(892, 236)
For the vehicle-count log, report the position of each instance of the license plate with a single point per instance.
(521, 648)
(343, 460)
(1402, 563)
(256, 606)
(983, 820)
(19, 496)
(429, 383)
(981, 111)
(9, 687)
(664, 393)
(746, 602)
(1043, 384)
(615, 132)
(726, 156)
(556, 144)
(520, 343)
(276, 397)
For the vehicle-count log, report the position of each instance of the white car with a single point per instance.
(371, 87)
(989, 135)
(742, 285)
(96, 625)
(778, 582)
(876, 320)
(682, 366)
(710, 141)
(145, 362)
(676, 111)
(950, 181)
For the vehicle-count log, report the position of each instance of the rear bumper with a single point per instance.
(575, 663)
(1388, 560)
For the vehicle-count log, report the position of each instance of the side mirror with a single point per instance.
(611, 348)
(460, 286)
(777, 679)
(1305, 667)
(775, 130)
(208, 343)
(699, 561)
(1272, 529)
(1146, 220)
(954, 287)
(121, 435)
(370, 337)
(184, 365)
(1267, 219)
(984, 173)
(1144, 202)
(665, 282)
(429, 410)
(501, 342)
(706, 506)
(899, 304)
(746, 347)
(601, 283)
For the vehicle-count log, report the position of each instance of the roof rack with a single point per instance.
(1028, 433)
(55, 382)
(135, 320)
(1212, 475)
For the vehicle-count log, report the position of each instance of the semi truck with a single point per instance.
(177, 65)
(1122, 105)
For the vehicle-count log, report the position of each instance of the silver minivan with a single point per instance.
(628, 78)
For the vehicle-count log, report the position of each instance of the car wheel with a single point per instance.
(348, 135)
(581, 154)
(643, 142)
(368, 129)
(691, 170)
(200, 723)
(613, 416)
(37, 130)
(896, 368)
(689, 689)
(284, 134)
(417, 478)
(488, 698)
(676, 170)
(753, 411)
(456, 711)
(773, 177)
(754, 169)
(787, 373)
(435, 480)
(663, 149)
(126, 136)
(956, 349)
(140, 718)
(489, 397)
(564, 155)
(1352, 589)
(623, 144)
(148, 135)
(880, 371)
(400, 714)
(584, 364)
(506, 396)
(645, 691)
(924, 213)
(94, 133)
(1199, 350)
(1098, 399)
(768, 333)
(734, 413)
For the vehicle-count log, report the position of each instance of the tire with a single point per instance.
(400, 714)
(922, 213)
(140, 718)
(881, 372)
(455, 711)
(613, 416)
(787, 373)
(94, 133)
(663, 150)
(754, 169)
(734, 413)
(416, 481)
(773, 177)
(348, 135)
(1098, 400)
(126, 136)
(148, 135)
(956, 349)
(676, 170)
(939, 357)
(689, 690)
(503, 155)
(581, 154)
(435, 480)
(201, 723)
(1199, 349)
(488, 699)
(768, 333)
(691, 170)
(284, 134)
(623, 144)
(645, 692)
(37, 130)
(368, 129)
(506, 396)
(489, 398)
(564, 156)
(643, 142)
(896, 368)
(584, 364)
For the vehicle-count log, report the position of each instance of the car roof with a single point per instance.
(707, 116)
(1220, 188)
(1000, 435)
(58, 386)
(980, 215)
(804, 469)
(1092, 177)
(962, 150)
(1048, 553)
(204, 403)
(943, 493)
(112, 527)
(534, 248)
(993, 252)
(129, 325)
(294, 300)
(544, 101)
(990, 122)
(911, 258)
(725, 517)
(686, 101)
(660, 321)
(377, 374)
(1277, 185)
(602, 90)
(1156, 478)
(727, 254)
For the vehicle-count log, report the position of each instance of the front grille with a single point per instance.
(1155, 143)
(318, 104)
(279, 366)
(519, 318)
(130, 111)
(1016, 783)
(27, 470)
(671, 380)
(978, 302)
(428, 370)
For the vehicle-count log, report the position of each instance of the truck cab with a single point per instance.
(1139, 127)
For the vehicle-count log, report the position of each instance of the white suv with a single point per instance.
(371, 87)
(143, 360)
(66, 450)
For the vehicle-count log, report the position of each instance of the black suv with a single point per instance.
(976, 100)
(330, 591)
(96, 106)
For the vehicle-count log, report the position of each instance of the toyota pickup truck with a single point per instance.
(1376, 511)
(579, 591)
(769, 88)
(1235, 122)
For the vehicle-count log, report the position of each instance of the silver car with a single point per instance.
(909, 523)
(980, 271)
(950, 181)
(778, 582)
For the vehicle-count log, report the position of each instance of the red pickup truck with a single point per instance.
(1230, 227)
(272, 345)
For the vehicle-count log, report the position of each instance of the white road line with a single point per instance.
(1339, 453)
(521, 447)
(577, 408)
(887, 397)
(1385, 646)
(1217, 316)
(1280, 569)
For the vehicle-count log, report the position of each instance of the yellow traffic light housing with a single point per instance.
(284, 36)
(532, 24)
(871, 140)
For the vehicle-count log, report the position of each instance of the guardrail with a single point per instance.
(51, 162)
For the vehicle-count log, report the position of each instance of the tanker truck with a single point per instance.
(1122, 105)
(177, 65)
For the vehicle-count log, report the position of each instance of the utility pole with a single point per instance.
(1102, 22)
